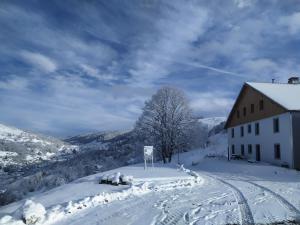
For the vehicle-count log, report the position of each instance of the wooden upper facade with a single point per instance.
(252, 105)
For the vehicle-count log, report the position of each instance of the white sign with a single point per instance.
(148, 155)
(148, 151)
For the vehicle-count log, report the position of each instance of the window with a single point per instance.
(277, 151)
(252, 108)
(276, 125)
(249, 128)
(232, 149)
(238, 113)
(249, 149)
(242, 150)
(232, 132)
(242, 131)
(261, 104)
(244, 111)
(256, 128)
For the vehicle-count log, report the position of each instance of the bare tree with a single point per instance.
(166, 121)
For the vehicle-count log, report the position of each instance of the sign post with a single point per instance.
(148, 155)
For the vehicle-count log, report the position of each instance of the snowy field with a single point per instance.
(207, 190)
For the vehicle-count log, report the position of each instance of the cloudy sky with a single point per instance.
(69, 67)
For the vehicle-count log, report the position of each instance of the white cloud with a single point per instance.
(211, 103)
(94, 72)
(243, 3)
(292, 22)
(72, 106)
(39, 61)
(14, 84)
(260, 66)
(175, 31)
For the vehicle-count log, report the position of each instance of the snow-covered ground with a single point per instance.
(18, 147)
(211, 191)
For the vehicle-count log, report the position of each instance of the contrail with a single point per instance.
(194, 64)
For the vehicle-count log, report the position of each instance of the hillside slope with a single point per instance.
(18, 147)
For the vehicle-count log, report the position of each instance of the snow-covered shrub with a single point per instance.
(126, 179)
(116, 178)
(110, 178)
(33, 212)
(103, 179)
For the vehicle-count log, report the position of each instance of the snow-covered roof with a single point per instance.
(287, 95)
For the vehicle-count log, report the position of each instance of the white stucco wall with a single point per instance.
(266, 138)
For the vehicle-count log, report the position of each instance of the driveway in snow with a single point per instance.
(234, 192)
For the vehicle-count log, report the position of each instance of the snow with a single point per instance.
(7, 153)
(286, 95)
(6, 131)
(206, 189)
(23, 147)
(33, 212)
(211, 122)
(70, 199)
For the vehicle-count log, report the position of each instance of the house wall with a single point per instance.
(266, 138)
(296, 139)
(250, 96)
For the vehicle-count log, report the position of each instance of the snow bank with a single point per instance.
(33, 212)
(8, 220)
(58, 212)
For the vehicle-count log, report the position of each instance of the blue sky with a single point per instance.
(69, 67)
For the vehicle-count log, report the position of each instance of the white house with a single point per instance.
(264, 123)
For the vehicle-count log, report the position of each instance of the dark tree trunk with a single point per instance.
(164, 160)
(170, 155)
(164, 155)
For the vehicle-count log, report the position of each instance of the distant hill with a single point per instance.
(211, 122)
(96, 140)
(19, 147)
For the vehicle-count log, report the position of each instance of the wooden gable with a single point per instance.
(248, 95)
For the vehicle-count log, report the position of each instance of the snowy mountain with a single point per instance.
(21, 147)
(97, 140)
(211, 122)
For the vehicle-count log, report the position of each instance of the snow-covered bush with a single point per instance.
(33, 212)
(103, 179)
(126, 179)
(116, 179)
(110, 178)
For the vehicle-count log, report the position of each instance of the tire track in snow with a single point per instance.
(175, 217)
(246, 217)
(171, 215)
(138, 203)
(282, 201)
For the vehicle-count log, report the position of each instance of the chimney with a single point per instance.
(294, 80)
